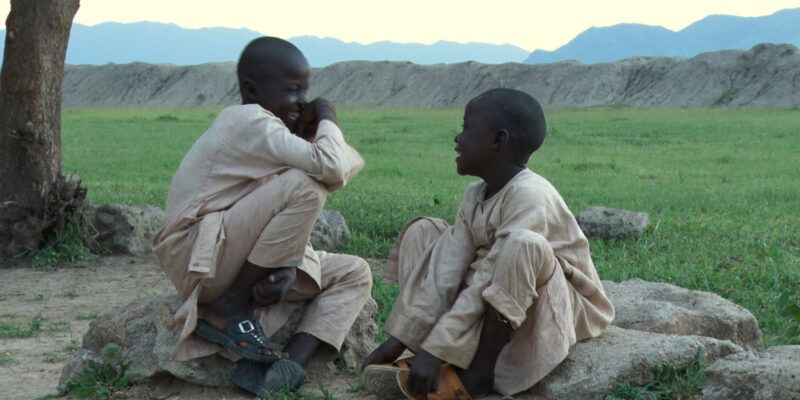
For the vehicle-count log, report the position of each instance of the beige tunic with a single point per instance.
(249, 189)
(510, 251)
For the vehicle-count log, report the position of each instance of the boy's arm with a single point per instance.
(328, 158)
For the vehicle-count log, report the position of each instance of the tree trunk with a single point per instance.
(31, 184)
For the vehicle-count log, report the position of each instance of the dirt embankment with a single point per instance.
(764, 76)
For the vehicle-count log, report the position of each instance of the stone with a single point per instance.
(773, 374)
(330, 232)
(143, 333)
(664, 308)
(612, 223)
(596, 366)
(125, 229)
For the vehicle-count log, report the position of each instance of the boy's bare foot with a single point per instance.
(386, 353)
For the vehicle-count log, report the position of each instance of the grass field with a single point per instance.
(722, 186)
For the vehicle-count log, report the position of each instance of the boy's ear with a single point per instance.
(249, 89)
(501, 137)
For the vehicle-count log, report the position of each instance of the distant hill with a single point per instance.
(764, 76)
(716, 32)
(159, 43)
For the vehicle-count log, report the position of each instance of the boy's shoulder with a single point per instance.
(530, 183)
(244, 112)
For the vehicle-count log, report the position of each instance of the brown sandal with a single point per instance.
(450, 386)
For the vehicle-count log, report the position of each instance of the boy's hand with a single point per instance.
(310, 117)
(274, 286)
(423, 377)
(307, 124)
(324, 110)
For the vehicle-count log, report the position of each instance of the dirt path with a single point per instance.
(51, 311)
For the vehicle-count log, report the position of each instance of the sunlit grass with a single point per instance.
(722, 186)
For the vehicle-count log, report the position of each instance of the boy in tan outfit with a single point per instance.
(239, 214)
(495, 301)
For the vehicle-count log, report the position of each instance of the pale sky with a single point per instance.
(528, 24)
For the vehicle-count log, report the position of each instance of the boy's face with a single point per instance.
(474, 143)
(282, 90)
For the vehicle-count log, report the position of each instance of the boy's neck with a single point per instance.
(497, 179)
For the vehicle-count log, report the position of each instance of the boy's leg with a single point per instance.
(265, 230)
(488, 310)
(524, 264)
(346, 285)
(408, 265)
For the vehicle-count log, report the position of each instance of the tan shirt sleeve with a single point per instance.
(267, 141)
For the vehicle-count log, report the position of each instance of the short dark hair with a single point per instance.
(263, 51)
(521, 115)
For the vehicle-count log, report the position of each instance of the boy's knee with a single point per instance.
(362, 271)
(535, 248)
(524, 238)
(306, 187)
(358, 272)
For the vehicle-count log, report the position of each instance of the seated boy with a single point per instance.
(239, 214)
(495, 301)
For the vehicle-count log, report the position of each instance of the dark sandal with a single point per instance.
(246, 331)
(264, 381)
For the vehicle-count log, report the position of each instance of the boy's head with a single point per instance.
(274, 74)
(501, 126)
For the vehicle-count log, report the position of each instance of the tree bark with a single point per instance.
(37, 32)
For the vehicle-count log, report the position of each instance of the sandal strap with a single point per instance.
(251, 332)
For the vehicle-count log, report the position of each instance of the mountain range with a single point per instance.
(161, 43)
(712, 33)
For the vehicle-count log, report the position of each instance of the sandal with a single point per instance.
(264, 381)
(247, 331)
(450, 386)
(381, 379)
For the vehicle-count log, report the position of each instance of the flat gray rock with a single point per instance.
(595, 367)
(612, 223)
(773, 374)
(665, 308)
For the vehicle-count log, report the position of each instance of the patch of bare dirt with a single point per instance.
(57, 307)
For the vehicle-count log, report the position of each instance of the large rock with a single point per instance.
(665, 308)
(612, 223)
(773, 374)
(125, 229)
(330, 232)
(595, 367)
(143, 333)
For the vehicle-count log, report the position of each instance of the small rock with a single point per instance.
(773, 374)
(612, 223)
(594, 367)
(125, 229)
(330, 232)
(665, 308)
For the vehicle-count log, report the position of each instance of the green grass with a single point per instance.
(720, 185)
(68, 249)
(87, 316)
(98, 380)
(668, 383)
(13, 330)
